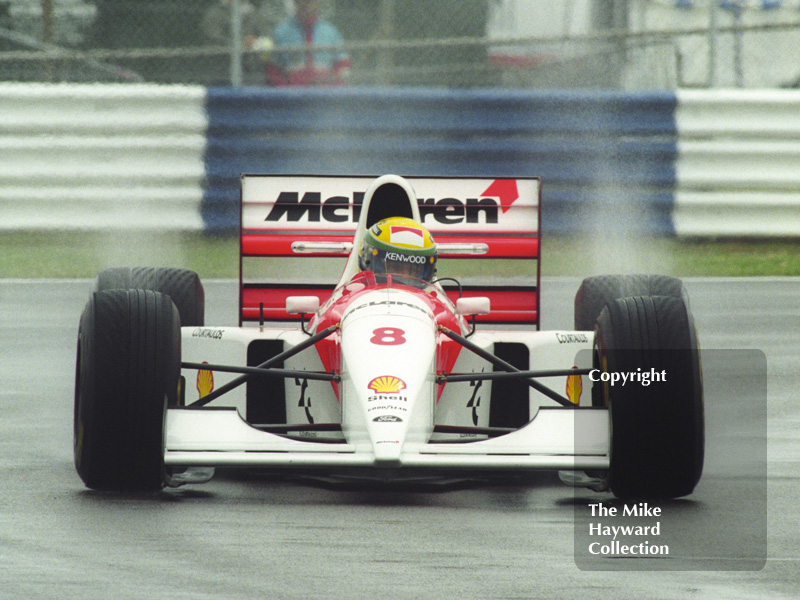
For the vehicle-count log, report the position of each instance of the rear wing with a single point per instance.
(287, 217)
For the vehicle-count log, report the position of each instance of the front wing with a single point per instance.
(221, 438)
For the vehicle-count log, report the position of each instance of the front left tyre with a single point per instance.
(127, 372)
(181, 285)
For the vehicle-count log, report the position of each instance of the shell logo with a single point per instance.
(574, 388)
(387, 384)
(205, 381)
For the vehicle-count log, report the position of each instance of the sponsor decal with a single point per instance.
(410, 236)
(336, 209)
(386, 303)
(312, 208)
(387, 398)
(387, 419)
(574, 388)
(504, 189)
(572, 338)
(387, 384)
(205, 381)
(406, 258)
(387, 407)
(212, 334)
(453, 211)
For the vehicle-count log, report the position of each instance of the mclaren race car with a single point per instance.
(395, 372)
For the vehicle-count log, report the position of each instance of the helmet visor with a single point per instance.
(398, 263)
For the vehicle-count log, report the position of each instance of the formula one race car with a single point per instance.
(391, 373)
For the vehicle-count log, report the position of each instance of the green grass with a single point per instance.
(81, 255)
(671, 256)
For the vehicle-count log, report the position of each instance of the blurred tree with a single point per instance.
(608, 16)
(420, 20)
(5, 23)
(148, 24)
(153, 24)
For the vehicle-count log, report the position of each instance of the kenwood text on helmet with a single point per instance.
(400, 246)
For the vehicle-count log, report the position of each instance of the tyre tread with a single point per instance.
(128, 365)
(656, 448)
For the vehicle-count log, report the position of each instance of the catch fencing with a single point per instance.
(696, 163)
(608, 44)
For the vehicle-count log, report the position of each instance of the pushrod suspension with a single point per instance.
(286, 373)
(454, 377)
(275, 359)
(499, 362)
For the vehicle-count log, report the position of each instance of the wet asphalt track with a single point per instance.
(255, 537)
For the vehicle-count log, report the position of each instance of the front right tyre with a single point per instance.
(657, 429)
(595, 292)
(127, 372)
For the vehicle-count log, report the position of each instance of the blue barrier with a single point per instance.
(597, 152)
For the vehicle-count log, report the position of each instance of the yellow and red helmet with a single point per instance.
(400, 246)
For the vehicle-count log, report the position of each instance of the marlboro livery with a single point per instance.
(393, 369)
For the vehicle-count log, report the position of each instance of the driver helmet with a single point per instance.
(400, 246)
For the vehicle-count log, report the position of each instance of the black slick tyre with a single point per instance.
(595, 292)
(657, 430)
(128, 365)
(181, 285)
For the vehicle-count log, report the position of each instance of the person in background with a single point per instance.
(307, 67)
(257, 25)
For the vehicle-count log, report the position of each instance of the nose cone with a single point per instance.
(388, 351)
(387, 440)
(389, 408)
(399, 412)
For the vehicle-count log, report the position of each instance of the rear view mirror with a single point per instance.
(302, 305)
(473, 306)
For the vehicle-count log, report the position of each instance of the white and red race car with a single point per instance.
(382, 376)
